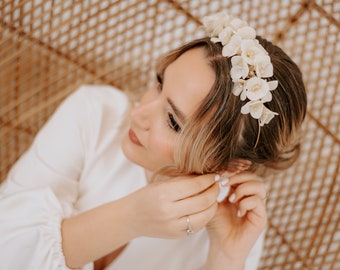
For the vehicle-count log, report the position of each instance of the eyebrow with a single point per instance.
(177, 111)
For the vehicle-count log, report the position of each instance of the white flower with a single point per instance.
(266, 116)
(263, 66)
(258, 111)
(256, 88)
(254, 107)
(214, 24)
(236, 23)
(224, 36)
(246, 32)
(250, 49)
(233, 47)
(239, 89)
(273, 85)
(239, 68)
(250, 63)
(268, 97)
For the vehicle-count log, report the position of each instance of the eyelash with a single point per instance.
(172, 123)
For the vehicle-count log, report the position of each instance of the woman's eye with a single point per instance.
(173, 124)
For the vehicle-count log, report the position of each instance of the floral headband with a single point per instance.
(250, 63)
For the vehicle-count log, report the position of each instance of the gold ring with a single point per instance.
(189, 230)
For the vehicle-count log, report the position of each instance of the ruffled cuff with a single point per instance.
(30, 231)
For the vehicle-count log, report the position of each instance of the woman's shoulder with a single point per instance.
(105, 94)
(103, 107)
(93, 108)
(99, 101)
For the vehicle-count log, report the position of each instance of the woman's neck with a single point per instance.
(148, 175)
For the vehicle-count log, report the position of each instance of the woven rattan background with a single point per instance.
(50, 47)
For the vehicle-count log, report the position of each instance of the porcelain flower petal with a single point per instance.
(268, 97)
(239, 68)
(266, 116)
(238, 87)
(250, 63)
(214, 24)
(254, 107)
(236, 23)
(250, 50)
(263, 66)
(256, 88)
(246, 32)
(273, 85)
(225, 35)
(233, 47)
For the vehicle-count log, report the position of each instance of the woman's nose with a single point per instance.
(141, 115)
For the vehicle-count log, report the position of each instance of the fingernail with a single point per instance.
(217, 177)
(239, 213)
(232, 197)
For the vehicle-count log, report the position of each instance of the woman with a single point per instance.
(175, 186)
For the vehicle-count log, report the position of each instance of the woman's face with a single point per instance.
(156, 122)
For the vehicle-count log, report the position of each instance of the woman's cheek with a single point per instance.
(163, 146)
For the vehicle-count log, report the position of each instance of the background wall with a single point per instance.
(49, 47)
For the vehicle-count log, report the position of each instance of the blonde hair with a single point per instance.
(217, 135)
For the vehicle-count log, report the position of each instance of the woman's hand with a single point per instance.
(161, 208)
(238, 222)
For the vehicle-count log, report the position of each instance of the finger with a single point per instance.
(187, 186)
(198, 220)
(254, 209)
(198, 202)
(243, 177)
(225, 175)
(250, 188)
(223, 183)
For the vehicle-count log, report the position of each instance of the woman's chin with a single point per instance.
(134, 154)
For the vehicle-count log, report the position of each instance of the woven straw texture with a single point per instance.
(48, 48)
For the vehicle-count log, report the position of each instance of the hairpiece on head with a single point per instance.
(250, 63)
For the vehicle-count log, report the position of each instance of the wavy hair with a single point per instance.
(218, 136)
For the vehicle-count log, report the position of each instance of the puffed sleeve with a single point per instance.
(56, 157)
(41, 188)
(30, 231)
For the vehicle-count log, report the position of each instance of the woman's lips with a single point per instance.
(134, 138)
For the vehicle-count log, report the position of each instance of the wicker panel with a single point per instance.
(304, 208)
(48, 48)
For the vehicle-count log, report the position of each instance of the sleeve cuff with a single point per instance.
(30, 231)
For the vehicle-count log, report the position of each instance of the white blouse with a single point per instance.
(74, 164)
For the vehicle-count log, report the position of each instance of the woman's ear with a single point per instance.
(238, 165)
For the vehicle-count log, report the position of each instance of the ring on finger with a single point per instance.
(189, 229)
